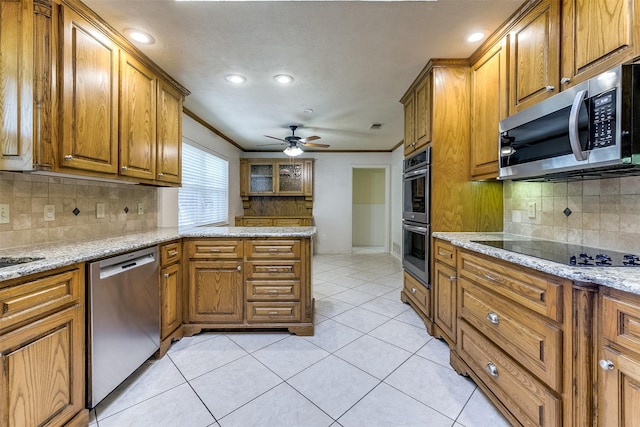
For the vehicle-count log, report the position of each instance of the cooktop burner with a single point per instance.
(566, 253)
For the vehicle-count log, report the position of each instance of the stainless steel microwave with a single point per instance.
(590, 130)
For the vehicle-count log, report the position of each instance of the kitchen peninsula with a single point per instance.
(210, 278)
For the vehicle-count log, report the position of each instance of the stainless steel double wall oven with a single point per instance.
(415, 215)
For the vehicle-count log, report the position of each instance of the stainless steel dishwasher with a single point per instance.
(124, 319)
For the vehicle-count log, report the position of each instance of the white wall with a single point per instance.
(332, 195)
(168, 197)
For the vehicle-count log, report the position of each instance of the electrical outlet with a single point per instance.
(4, 214)
(323, 236)
(99, 210)
(140, 208)
(49, 212)
(532, 209)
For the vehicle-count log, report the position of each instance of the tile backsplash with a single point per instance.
(27, 195)
(603, 213)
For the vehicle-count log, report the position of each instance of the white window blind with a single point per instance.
(204, 196)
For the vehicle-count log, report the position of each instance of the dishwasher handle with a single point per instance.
(130, 264)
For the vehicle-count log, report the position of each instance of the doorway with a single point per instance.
(370, 209)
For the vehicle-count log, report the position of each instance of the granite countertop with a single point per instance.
(55, 255)
(622, 278)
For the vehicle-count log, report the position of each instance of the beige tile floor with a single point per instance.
(370, 363)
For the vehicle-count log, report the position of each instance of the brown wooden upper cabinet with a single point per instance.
(273, 177)
(597, 35)
(169, 134)
(488, 107)
(534, 43)
(89, 100)
(417, 115)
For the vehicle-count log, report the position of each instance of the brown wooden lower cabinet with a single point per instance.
(274, 221)
(248, 283)
(42, 350)
(170, 294)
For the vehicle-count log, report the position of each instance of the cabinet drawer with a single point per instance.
(536, 344)
(170, 253)
(291, 222)
(289, 249)
(257, 222)
(273, 312)
(418, 293)
(213, 248)
(28, 299)
(525, 397)
(535, 291)
(621, 319)
(273, 290)
(444, 252)
(272, 269)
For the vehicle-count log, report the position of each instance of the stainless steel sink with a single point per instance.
(8, 262)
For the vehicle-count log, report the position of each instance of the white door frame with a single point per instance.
(387, 202)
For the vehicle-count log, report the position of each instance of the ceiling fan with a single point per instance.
(295, 143)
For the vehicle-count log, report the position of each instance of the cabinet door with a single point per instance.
(423, 113)
(170, 299)
(620, 390)
(42, 371)
(534, 56)
(488, 107)
(445, 312)
(409, 125)
(290, 178)
(215, 291)
(16, 85)
(169, 134)
(89, 139)
(598, 35)
(261, 178)
(137, 119)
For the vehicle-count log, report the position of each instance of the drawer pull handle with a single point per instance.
(273, 291)
(490, 277)
(273, 313)
(413, 290)
(493, 318)
(273, 249)
(172, 253)
(607, 365)
(492, 370)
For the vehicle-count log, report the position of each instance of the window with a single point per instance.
(203, 198)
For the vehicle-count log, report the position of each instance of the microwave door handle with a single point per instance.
(574, 133)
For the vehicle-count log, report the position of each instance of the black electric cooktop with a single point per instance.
(566, 253)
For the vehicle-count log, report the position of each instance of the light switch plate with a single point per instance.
(4, 214)
(49, 212)
(99, 210)
(532, 209)
(140, 208)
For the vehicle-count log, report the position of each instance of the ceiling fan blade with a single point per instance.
(310, 138)
(271, 145)
(273, 137)
(306, 144)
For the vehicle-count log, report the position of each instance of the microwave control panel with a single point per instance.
(603, 120)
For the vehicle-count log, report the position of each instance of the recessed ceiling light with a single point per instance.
(139, 36)
(283, 78)
(236, 79)
(475, 37)
(308, 110)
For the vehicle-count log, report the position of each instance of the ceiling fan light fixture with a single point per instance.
(235, 79)
(284, 79)
(293, 151)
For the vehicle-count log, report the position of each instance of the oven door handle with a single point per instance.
(415, 173)
(574, 123)
(415, 229)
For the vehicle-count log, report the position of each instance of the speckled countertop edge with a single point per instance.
(57, 255)
(622, 278)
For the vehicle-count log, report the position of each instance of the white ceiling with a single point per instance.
(351, 61)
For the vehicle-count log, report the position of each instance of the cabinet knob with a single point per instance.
(124, 168)
(68, 157)
(607, 365)
(239, 267)
(166, 275)
(565, 80)
(550, 88)
(452, 278)
(493, 318)
(413, 290)
(492, 370)
(160, 174)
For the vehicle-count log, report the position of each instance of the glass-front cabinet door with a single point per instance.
(261, 178)
(290, 177)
